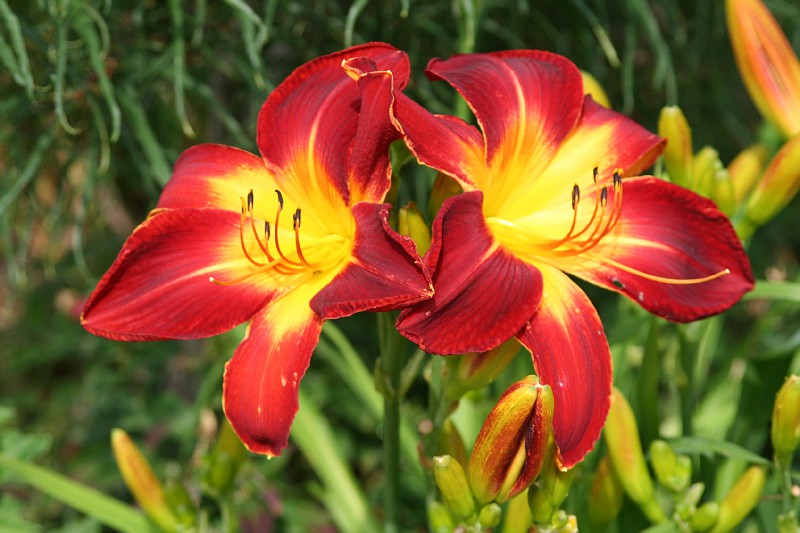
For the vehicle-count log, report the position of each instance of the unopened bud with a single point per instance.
(593, 88)
(606, 495)
(778, 185)
(673, 471)
(740, 500)
(451, 443)
(672, 125)
(518, 517)
(745, 169)
(705, 517)
(443, 188)
(705, 169)
(625, 449)
(550, 490)
(490, 516)
(452, 482)
(786, 421)
(512, 444)
(142, 481)
(476, 370)
(439, 518)
(223, 463)
(411, 223)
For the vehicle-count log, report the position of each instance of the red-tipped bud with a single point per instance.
(512, 444)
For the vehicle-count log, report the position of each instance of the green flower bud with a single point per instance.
(439, 518)
(705, 169)
(490, 515)
(786, 421)
(740, 500)
(511, 446)
(453, 484)
(411, 223)
(745, 169)
(778, 185)
(443, 188)
(550, 490)
(222, 464)
(672, 471)
(606, 495)
(705, 517)
(518, 517)
(476, 370)
(624, 448)
(672, 125)
(142, 481)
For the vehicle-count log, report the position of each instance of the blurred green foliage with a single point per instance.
(97, 100)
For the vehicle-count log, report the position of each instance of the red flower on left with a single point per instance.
(218, 249)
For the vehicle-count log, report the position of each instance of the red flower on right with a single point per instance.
(552, 187)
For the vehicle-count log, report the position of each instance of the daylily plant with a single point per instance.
(550, 189)
(219, 250)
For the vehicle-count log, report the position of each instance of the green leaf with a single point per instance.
(775, 290)
(703, 446)
(92, 502)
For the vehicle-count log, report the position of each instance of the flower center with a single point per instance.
(585, 231)
(261, 245)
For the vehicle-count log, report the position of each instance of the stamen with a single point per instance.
(296, 225)
(576, 196)
(277, 227)
(603, 196)
(595, 173)
(241, 233)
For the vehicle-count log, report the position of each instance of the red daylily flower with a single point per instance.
(218, 250)
(544, 180)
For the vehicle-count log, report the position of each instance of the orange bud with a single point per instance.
(767, 63)
(512, 444)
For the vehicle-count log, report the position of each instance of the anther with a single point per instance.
(280, 198)
(576, 196)
(595, 173)
(617, 180)
(603, 196)
(296, 219)
(266, 231)
(250, 200)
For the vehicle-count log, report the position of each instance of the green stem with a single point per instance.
(392, 365)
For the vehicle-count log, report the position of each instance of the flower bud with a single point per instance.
(411, 223)
(705, 517)
(767, 63)
(548, 492)
(606, 495)
(490, 516)
(518, 517)
(624, 448)
(705, 170)
(443, 188)
(673, 471)
(452, 482)
(511, 446)
(223, 463)
(142, 481)
(476, 370)
(786, 421)
(451, 443)
(439, 518)
(593, 88)
(742, 498)
(672, 125)
(778, 185)
(745, 169)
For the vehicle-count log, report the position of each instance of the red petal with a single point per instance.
(445, 143)
(668, 231)
(213, 175)
(262, 378)
(307, 125)
(370, 173)
(571, 354)
(484, 295)
(526, 102)
(385, 271)
(159, 288)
